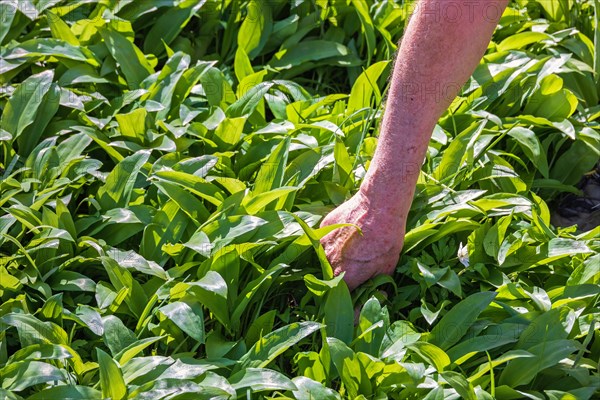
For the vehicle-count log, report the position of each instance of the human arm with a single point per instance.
(443, 43)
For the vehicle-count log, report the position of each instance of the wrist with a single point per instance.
(384, 201)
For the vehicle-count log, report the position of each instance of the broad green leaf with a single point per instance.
(32, 330)
(256, 28)
(460, 384)
(326, 268)
(67, 392)
(260, 379)
(552, 325)
(260, 327)
(455, 155)
(275, 343)
(431, 354)
(254, 288)
(133, 125)
(119, 185)
(339, 313)
(47, 47)
(270, 175)
(494, 336)
(121, 278)
(247, 104)
(116, 335)
(372, 324)
(242, 65)
(22, 107)
(20, 375)
(111, 378)
(453, 326)
(41, 352)
(521, 40)
(196, 185)
(532, 147)
(188, 203)
(313, 50)
(229, 132)
(546, 354)
(188, 317)
(8, 11)
(218, 91)
(132, 62)
(254, 204)
(163, 91)
(365, 87)
(367, 27)
(60, 30)
(134, 349)
(170, 24)
(310, 364)
(210, 291)
(308, 389)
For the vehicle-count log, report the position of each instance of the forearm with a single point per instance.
(443, 43)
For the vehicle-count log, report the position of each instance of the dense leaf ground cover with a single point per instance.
(165, 165)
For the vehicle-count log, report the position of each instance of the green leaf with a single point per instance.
(256, 28)
(367, 27)
(260, 327)
(210, 291)
(196, 185)
(169, 25)
(521, 40)
(229, 132)
(431, 354)
(22, 107)
(339, 313)
(188, 317)
(60, 30)
(270, 175)
(32, 330)
(134, 349)
(504, 358)
(453, 326)
(248, 103)
(260, 379)
(41, 352)
(133, 125)
(211, 387)
(532, 147)
(307, 389)
(242, 65)
(460, 384)
(111, 378)
(552, 325)
(314, 238)
(48, 47)
(67, 392)
(132, 62)
(9, 11)
(116, 335)
(20, 375)
(311, 50)
(494, 336)
(372, 324)
(119, 185)
(275, 343)
(365, 87)
(121, 278)
(546, 354)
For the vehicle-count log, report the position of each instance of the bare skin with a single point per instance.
(443, 43)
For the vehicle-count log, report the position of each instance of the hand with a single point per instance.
(374, 252)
